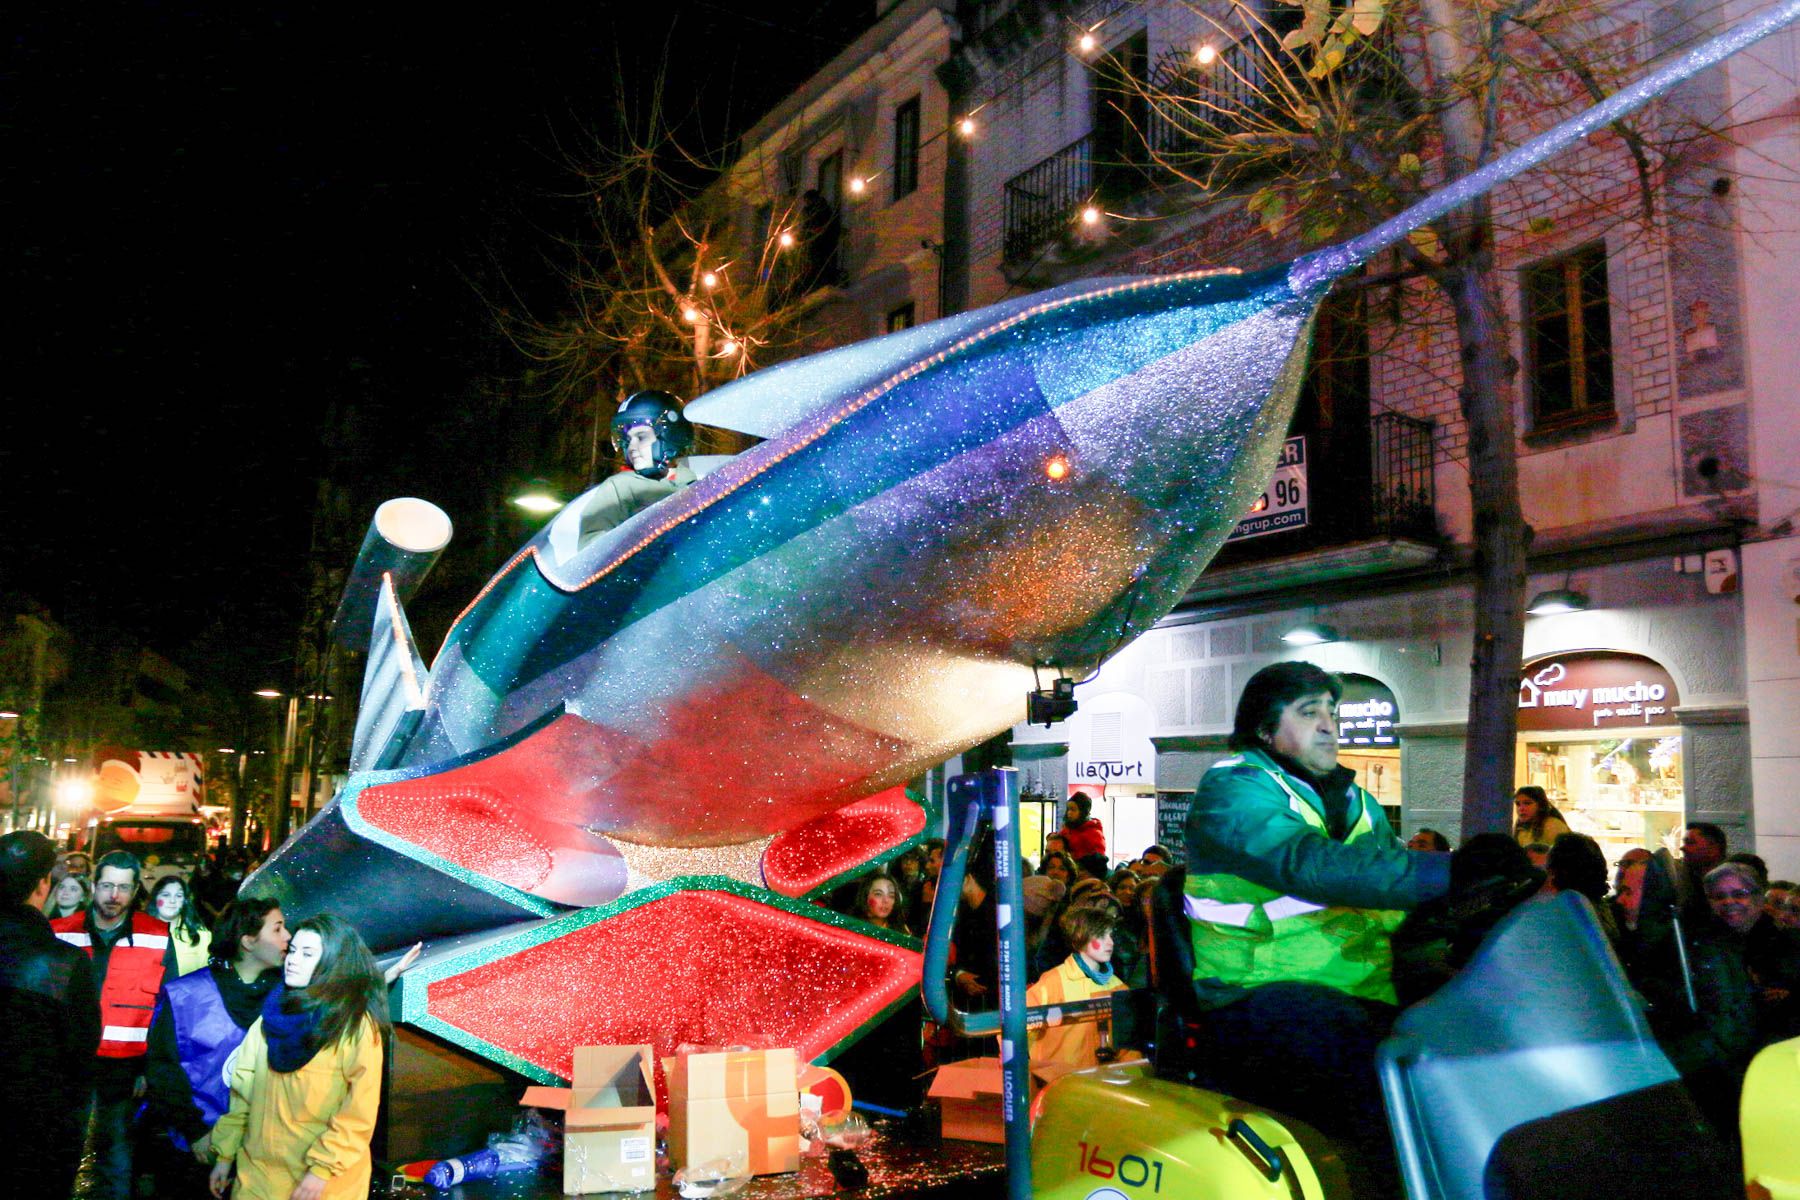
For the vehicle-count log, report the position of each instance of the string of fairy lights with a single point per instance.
(697, 310)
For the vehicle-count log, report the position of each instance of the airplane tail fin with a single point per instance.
(394, 686)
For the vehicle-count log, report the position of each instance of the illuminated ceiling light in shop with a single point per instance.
(1311, 633)
(1557, 600)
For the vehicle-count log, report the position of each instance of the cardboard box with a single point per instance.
(968, 1095)
(735, 1104)
(609, 1122)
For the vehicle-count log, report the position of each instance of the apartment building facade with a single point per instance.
(1655, 454)
(965, 151)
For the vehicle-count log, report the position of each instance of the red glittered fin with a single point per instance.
(710, 964)
(816, 855)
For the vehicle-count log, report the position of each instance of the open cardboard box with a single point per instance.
(968, 1095)
(609, 1121)
(742, 1104)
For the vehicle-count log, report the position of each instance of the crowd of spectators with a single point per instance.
(176, 1039)
(1708, 941)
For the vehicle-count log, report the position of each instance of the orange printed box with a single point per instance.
(735, 1104)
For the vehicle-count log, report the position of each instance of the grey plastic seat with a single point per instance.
(1541, 1021)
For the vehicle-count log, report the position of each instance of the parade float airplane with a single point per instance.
(633, 761)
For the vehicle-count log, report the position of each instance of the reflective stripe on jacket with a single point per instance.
(134, 977)
(1272, 897)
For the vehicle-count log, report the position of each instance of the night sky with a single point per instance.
(223, 221)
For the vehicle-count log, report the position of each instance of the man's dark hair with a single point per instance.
(1161, 851)
(1487, 856)
(122, 860)
(1094, 864)
(1438, 841)
(242, 918)
(1084, 802)
(1577, 864)
(26, 859)
(1710, 832)
(1272, 689)
(1754, 862)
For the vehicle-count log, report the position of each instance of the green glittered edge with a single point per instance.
(362, 827)
(413, 1000)
(880, 860)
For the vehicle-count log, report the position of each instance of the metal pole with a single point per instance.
(991, 795)
(1015, 1059)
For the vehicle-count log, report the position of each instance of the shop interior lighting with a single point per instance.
(1557, 600)
(1311, 633)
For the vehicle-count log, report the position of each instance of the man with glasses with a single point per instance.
(132, 954)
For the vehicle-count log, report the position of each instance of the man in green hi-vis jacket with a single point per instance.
(1295, 880)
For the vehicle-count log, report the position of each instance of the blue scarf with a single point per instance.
(292, 1037)
(1100, 978)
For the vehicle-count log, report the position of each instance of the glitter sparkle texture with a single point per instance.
(699, 960)
(861, 596)
(812, 859)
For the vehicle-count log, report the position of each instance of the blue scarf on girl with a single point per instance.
(1100, 977)
(292, 1037)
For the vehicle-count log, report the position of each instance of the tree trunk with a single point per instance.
(1501, 537)
(1457, 50)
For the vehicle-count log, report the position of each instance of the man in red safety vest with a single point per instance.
(132, 954)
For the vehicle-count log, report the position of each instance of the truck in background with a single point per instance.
(147, 802)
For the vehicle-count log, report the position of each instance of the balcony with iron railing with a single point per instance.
(1371, 508)
(1234, 92)
(1246, 89)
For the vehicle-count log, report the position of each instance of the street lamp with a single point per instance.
(284, 775)
(539, 498)
(1311, 633)
(1556, 601)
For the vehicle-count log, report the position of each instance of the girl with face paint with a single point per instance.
(173, 903)
(307, 1081)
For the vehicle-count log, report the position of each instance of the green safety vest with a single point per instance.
(1245, 935)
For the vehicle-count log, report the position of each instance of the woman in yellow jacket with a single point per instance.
(1084, 975)
(306, 1083)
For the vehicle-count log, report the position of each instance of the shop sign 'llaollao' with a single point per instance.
(1596, 689)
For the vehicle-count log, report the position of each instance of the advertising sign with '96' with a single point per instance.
(1282, 505)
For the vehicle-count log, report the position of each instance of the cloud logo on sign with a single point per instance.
(1529, 689)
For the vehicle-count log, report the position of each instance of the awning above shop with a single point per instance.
(1378, 556)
